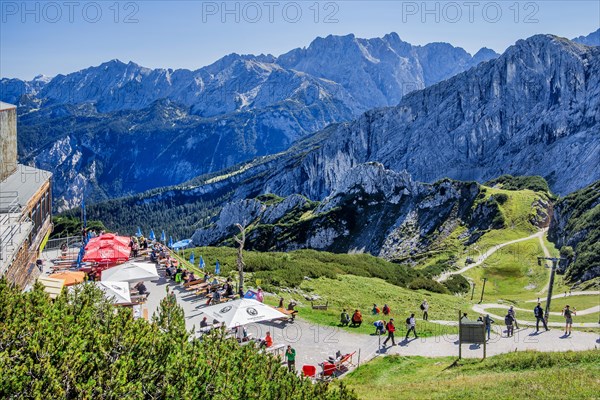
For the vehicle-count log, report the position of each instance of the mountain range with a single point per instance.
(119, 129)
(532, 111)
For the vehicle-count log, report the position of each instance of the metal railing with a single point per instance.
(9, 202)
(11, 220)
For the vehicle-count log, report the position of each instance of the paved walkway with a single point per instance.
(481, 309)
(314, 343)
(523, 339)
(488, 253)
(562, 295)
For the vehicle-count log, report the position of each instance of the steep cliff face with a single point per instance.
(576, 224)
(533, 111)
(372, 210)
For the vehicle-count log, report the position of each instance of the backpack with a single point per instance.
(508, 320)
(537, 312)
(408, 321)
(567, 313)
(422, 307)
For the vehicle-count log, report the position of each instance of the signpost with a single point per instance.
(482, 290)
(470, 332)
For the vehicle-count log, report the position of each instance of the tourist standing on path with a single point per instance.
(539, 316)
(509, 320)
(411, 324)
(290, 354)
(391, 328)
(488, 321)
(513, 313)
(568, 314)
(425, 309)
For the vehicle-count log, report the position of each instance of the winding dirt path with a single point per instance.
(494, 249)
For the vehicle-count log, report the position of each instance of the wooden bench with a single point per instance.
(193, 285)
(319, 306)
(221, 300)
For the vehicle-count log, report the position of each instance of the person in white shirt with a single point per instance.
(411, 324)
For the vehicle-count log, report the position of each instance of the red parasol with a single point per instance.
(108, 252)
(107, 238)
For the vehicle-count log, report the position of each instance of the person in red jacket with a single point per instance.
(391, 329)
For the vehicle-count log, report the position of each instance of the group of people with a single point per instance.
(179, 275)
(357, 319)
(381, 326)
(138, 243)
(216, 292)
(510, 320)
(159, 253)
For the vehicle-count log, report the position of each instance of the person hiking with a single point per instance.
(411, 325)
(290, 355)
(508, 321)
(391, 328)
(568, 314)
(539, 316)
(512, 312)
(425, 309)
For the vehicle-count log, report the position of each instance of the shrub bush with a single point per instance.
(501, 198)
(80, 347)
(457, 284)
(428, 284)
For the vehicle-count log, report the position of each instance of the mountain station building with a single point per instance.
(25, 207)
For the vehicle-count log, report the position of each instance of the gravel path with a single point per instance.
(314, 343)
(488, 253)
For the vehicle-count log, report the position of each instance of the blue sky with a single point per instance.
(52, 37)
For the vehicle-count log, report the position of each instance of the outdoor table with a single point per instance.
(276, 350)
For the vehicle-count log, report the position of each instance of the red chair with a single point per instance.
(309, 370)
(328, 369)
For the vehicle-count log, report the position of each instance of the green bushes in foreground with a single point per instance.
(80, 347)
